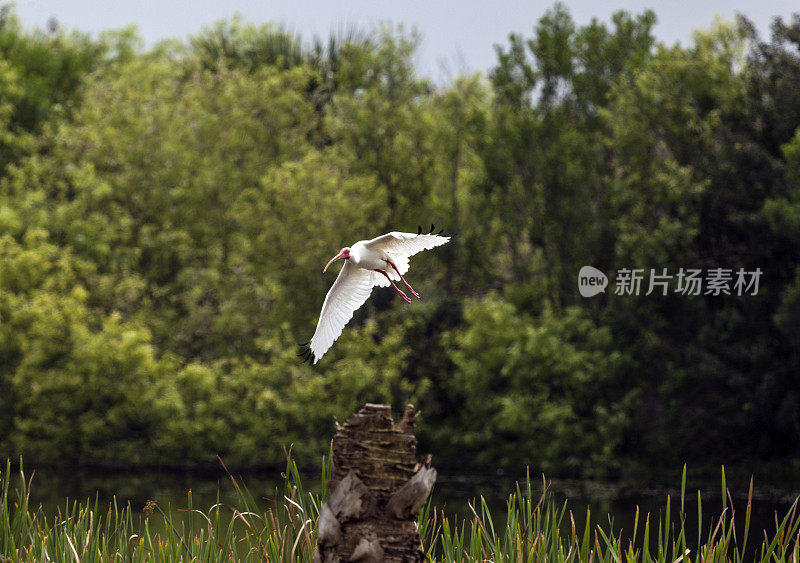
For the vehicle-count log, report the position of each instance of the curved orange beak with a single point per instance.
(339, 256)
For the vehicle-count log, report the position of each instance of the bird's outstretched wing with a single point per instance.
(349, 292)
(401, 246)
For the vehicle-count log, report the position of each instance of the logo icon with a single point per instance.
(591, 281)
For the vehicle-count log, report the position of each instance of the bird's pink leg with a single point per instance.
(403, 295)
(411, 289)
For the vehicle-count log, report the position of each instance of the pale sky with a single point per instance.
(457, 35)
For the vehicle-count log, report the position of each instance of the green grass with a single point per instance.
(535, 528)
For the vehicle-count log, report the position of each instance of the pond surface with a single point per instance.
(51, 487)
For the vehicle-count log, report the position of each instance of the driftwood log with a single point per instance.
(376, 490)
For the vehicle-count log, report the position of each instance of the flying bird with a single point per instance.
(381, 261)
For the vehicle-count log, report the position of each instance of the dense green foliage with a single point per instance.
(165, 214)
(536, 528)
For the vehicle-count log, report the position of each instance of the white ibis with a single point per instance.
(380, 261)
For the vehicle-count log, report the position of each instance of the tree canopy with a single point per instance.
(165, 214)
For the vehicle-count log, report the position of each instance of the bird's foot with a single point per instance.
(405, 297)
(408, 286)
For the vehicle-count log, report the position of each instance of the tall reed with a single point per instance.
(535, 528)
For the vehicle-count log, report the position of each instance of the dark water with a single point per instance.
(51, 487)
(614, 505)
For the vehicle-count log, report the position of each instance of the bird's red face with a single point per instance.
(344, 254)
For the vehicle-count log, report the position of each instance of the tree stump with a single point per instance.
(376, 491)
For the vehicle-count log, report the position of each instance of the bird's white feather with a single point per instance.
(354, 284)
(351, 289)
(401, 246)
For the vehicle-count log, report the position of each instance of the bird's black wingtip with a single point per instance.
(431, 232)
(306, 353)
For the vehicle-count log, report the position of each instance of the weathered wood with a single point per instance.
(412, 496)
(377, 490)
